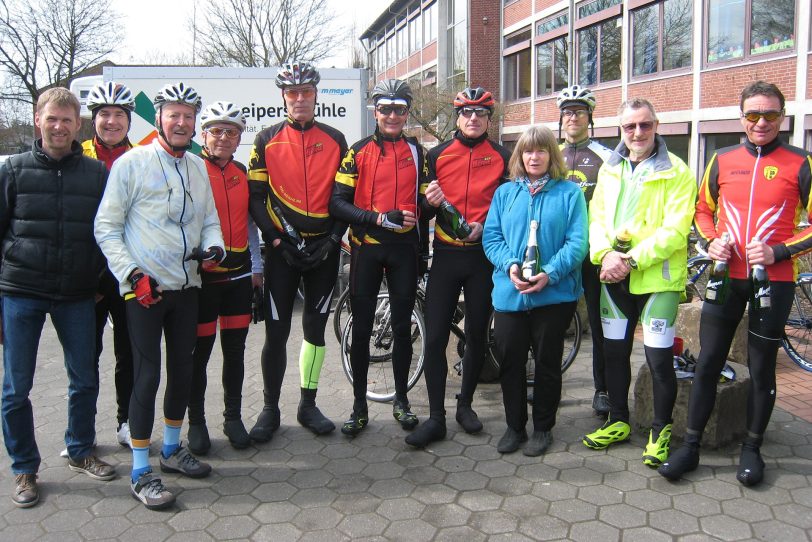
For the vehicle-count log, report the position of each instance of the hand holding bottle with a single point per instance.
(720, 249)
(759, 252)
(434, 194)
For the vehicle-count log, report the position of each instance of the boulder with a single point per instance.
(688, 328)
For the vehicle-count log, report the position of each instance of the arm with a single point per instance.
(7, 197)
(572, 253)
(801, 242)
(258, 189)
(600, 243)
(493, 239)
(110, 218)
(341, 202)
(707, 200)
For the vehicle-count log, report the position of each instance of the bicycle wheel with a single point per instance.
(797, 340)
(572, 342)
(698, 271)
(380, 378)
(341, 313)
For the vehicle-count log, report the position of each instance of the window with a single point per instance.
(415, 34)
(552, 24)
(430, 23)
(457, 37)
(517, 65)
(602, 42)
(671, 19)
(741, 28)
(551, 66)
(585, 10)
(403, 43)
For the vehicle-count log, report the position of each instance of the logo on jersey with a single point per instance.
(658, 326)
(406, 162)
(314, 149)
(232, 182)
(481, 162)
(348, 162)
(770, 172)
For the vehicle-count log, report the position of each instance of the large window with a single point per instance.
(551, 66)
(740, 28)
(662, 36)
(415, 34)
(430, 23)
(517, 65)
(599, 52)
(457, 42)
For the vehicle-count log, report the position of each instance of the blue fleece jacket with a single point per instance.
(562, 235)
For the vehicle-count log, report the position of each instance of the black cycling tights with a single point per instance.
(368, 265)
(281, 283)
(716, 330)
(451, 271)
(175, 316)
(231, 301)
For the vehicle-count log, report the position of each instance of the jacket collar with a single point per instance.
(467, 141)
(45, 158)
(765, 149)
(660, 159)
(300, 126)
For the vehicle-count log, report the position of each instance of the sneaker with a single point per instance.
(26, 491)
(656, 451)
(356, 423)
(402, 412)
(182, 461)
(93, 467)
(600, 403)
(609, 433)
(123, 435)
(149, 490)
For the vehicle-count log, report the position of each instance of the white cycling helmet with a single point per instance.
(110, 93)
(178, 93)
(222, 111)
(576, 94)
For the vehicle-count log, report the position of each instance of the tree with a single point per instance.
(48, 42)
(262, 33)
(433, 110)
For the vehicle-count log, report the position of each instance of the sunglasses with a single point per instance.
(480, 112)
(580, 113)
(769, 116)
(386, 110)
(305, 93)
(632, 126)
(229, 133)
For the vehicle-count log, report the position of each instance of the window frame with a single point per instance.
(660, 72)
(512, 53)
(596, 19)
(547, 39)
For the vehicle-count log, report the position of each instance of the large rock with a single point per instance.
(727, 421)
(688, 328)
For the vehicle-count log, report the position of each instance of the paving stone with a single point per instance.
(509, 485)
(480, 500)
(696, 505)
(22, 533)
(400, 509)
(581, 477)
(600, 495)
(554, 491)
(384, 471)
(66, 520)
(593, 531)
(236, 485)
(389, 489)
(317, 519)
(330, 535)
(424, 474)
(455, 534)
(776, 530)
(543, 527)
(747, 510)
(233, 527)
(446, 515)
(466, 481)
(718, 489)
(647, 534)
(435, 494)
(793, 514)
(151, 532)
(524, 506)
(537, 472)
(673, 522)
(455, 464)
(358, 525)
(236, 505)
(573, 510)
(725, 527)
(314, 498)
(191, 520)
(495, 467)
(622, 516)
(274, 491)
(310, 478)
(275, 512)
(277, 533)
(493, 522)
(409, 530)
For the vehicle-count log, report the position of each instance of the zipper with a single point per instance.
(750, 205)
(304, 169)
(228, 208)
(180, 224)
(395, 152)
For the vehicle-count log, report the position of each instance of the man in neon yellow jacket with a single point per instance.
(640, 216)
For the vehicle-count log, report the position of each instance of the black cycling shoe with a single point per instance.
(235, 431)
(538, 443)
(511, 440)
(402, 412)
(267, 423)
(682, 461)
(429, 431)
(466, 417)
(600, 403)
(751, 465)
(197, 439)
(310, 416)
(356, 423)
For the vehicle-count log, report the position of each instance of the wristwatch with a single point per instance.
(632, 263)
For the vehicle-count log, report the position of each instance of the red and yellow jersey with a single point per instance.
(298, 164)
(94, 149)
(468, 171)
(378, 175)
(750, 192)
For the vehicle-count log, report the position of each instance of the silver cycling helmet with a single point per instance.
(110, 93)
(222, 111)
(576, 94)
(178, 93)
(297, 73)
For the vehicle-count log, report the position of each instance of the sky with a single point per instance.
(149, 36)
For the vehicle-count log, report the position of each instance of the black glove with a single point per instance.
(212, 254)
(257, 306)
(292, 255)
(392, 220)
(320, 249)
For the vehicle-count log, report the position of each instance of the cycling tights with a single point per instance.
(451, 271)
(716, 330)
(543, 328)
(658, 312)
(113, 304)
(592, 295)
(231, 301)
(176, 317)
(367, 267)
(281, 284)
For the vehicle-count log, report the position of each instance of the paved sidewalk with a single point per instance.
(375, 487)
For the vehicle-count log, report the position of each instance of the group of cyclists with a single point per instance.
(179, 234)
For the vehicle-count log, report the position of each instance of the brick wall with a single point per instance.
(546, 110)
(415, 61)
(517, 11)
(609, 100)
(517, 114)
(808, 77)
(401, 69)
(672, 94)
(723, 87)
(430, 52)
(484, 58)
(541, 5)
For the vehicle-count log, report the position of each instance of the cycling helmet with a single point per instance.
(576, 94)
(178, 93)
(474, 97)
(392, 89)
(297, 73)
(110, 93)
(222, 112)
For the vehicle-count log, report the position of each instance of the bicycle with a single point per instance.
(797, 338)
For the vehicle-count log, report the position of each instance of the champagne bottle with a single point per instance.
(761, 286)
(293, 235)
(459, 226)
(530, 265)
(623, 241)
(719, 280)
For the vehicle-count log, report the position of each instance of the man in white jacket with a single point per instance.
(156, 218)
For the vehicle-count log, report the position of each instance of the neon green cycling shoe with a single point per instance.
(656, 452)
(609, 433)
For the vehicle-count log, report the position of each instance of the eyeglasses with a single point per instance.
(632, 126)
(305, 93)
(579, 113)
(229, 133)
(386, 110)
(769, 116)
(480, 112)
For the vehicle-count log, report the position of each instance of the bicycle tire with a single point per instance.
(380, 379)
(797, 338)
(341, 313)
(697, 280)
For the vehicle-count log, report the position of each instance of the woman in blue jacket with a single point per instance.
(537, 311)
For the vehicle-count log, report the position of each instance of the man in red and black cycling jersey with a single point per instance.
(227, 287)
(377, 190)
(584, 157)
(755, 192)
(466, 171)
(291, 172)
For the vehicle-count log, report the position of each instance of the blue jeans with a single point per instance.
(74, 322)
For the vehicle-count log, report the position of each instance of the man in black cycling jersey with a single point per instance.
(378, 190)
(291, 173)
(465, 171)
(754, 192)
(584, 157)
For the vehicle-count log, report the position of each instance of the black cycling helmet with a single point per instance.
(474, 97)
(392, 89)
(297, 73)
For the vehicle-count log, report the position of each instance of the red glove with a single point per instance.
(145, 289)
